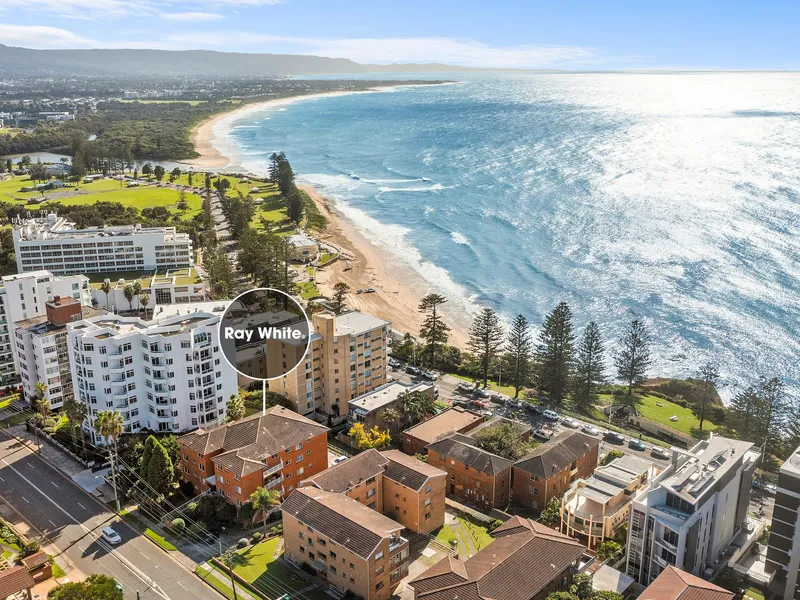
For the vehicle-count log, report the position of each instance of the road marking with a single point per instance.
(183, 586)
(81, 505)
(3, 480)
(54, 483)
(111, 550)
(143, 554)
(30, 465)
(53, 524)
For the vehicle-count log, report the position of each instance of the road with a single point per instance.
(446, 384)
(72, 520)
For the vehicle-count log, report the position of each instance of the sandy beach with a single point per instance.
(399, 288)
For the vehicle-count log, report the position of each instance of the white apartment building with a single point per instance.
(54, 244)
(164, 375)
(23, 297)
(688, 514)
(174, 286)
(42, 351)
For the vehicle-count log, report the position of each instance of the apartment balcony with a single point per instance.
(398, 574)
(671, 547)
(401, 544)
(273, 469)
(273, 483)
(121, 405)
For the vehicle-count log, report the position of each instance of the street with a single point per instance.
(72, 521)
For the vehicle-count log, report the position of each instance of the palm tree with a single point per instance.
(262, 500)
(71, 408)
(106, 288)
(391, 416)
(128, 293)
(137, 289)
(144, 300)
(109, 425)
(41, 406)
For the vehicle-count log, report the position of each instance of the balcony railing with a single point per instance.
(273, 469)
(272, 483)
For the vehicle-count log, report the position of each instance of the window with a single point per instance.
(379, 555)
(378, 586)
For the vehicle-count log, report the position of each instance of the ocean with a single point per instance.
(670, 197)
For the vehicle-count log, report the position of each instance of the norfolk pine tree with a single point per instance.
(519, 352)
(485, 339)
(340, 290)
(589, 368)
(633, 358)
(434, 332)
(554, 354)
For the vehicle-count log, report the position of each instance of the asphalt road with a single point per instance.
(72, 520)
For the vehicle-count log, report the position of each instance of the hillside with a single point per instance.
(16, 61)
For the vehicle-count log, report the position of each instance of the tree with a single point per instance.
(340, 290)
(191, 178)
(174, 174)
(374, 438)
(551, 515)
(76, 413)
(110, 425)
(235, 409)
(263, 500)
(294, 207)
(96, 587)
(78, 168)
(105, 287)
(391, 416)
(582, 586)
(773, 409)
(182, 205)
(159, 172)
(519, 352)
(144, 300)
(502, 439)
(160, 472)
(611, 455)
(485, 339)
(608, 549)
(589, 368)
(147, 169)
(554, 354)
(415, 406)
(709, 375)
(633, 358)
(434, 332)
(561, 596)
(128, 293)
(147, 454)
(137, 289)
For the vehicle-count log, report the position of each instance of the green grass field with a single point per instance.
(11, 187)
(477, 531)
(686, 423)
(158, 539)
(307, 289)
(504, 389)
(189, 102)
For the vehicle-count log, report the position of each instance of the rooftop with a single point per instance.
(521, 428)
(354, 323)
(386, 394)
(42, 326)
(300, 239)
(244, 445)
(51, 227)
(408, 471)
(344, 520)
(463, 449)
(452, 420)
(524, 559)
(558, 453)
(674, 584)
(146, 278)
(349, 473)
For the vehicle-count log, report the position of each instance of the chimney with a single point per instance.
(61, 311)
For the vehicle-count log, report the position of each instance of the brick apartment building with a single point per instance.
(526, 561)
(474, 476)
(453, 420)
(550, 469)
(350, 546)
(399, 486)
(276, 451)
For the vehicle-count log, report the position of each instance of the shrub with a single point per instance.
(257, 537)
(29, 547)
(495, 524)
(178, 525)
(196, 529)
(243, 543)
(245, 514)
(49, 430)
(226, 512)
(191, 508)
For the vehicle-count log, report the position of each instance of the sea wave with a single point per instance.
(436, 187)
(459, 238)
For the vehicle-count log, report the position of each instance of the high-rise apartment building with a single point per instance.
(690, 512)
(346, 359)
(43, 352)
(783, 551)
(55, 244)
(165, 375)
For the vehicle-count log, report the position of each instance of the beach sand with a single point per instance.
(399, 288)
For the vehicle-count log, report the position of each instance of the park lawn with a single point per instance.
(477, 531)
(686, 423)
(326, 258)
(508, 390)
(259, 566)
(446, 535)
(307, 289)
(189, 102)
(754, 593)
(139, 198)
(11, 187)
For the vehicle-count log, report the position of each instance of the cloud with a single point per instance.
(41, 36)
(83, 9)
(191, 17)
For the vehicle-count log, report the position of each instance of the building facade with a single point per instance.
(688, 514)
(276, 451)
(550, 470)
(347, 358)
(54, 244)
(783, 551)
(368, 409)
(164, 375)
(176, 286)
(594, 508)
(349, 545)
(24, 297)
(453, 420)
(42, 349)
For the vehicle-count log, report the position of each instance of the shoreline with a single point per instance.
(398, 288)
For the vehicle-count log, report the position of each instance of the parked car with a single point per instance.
(480, 393)
(483, 404)
(538, 409)
(771, 489)
(571, 423)
(497, 398)
(614, 438)
(111, 536)
(658, 452)
(464, 387)
(544, 432)
(637, 445)
(338, 459)
(412, 369)
(551, 415)
(590, 429)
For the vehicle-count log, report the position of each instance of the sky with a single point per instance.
(593, 35)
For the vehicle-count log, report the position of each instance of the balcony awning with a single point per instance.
(211, 480)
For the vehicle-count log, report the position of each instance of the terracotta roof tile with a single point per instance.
(453, 420)
(408, 471)
(349, 473)
(14, 580)
(462, 449)
(674, 584)
(552, 457)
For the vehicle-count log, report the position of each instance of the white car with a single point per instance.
(551, 415)
(111, 536)
(571, 423)
(590, 429)
(339, 459)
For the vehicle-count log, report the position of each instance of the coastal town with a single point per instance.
(381, 467)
